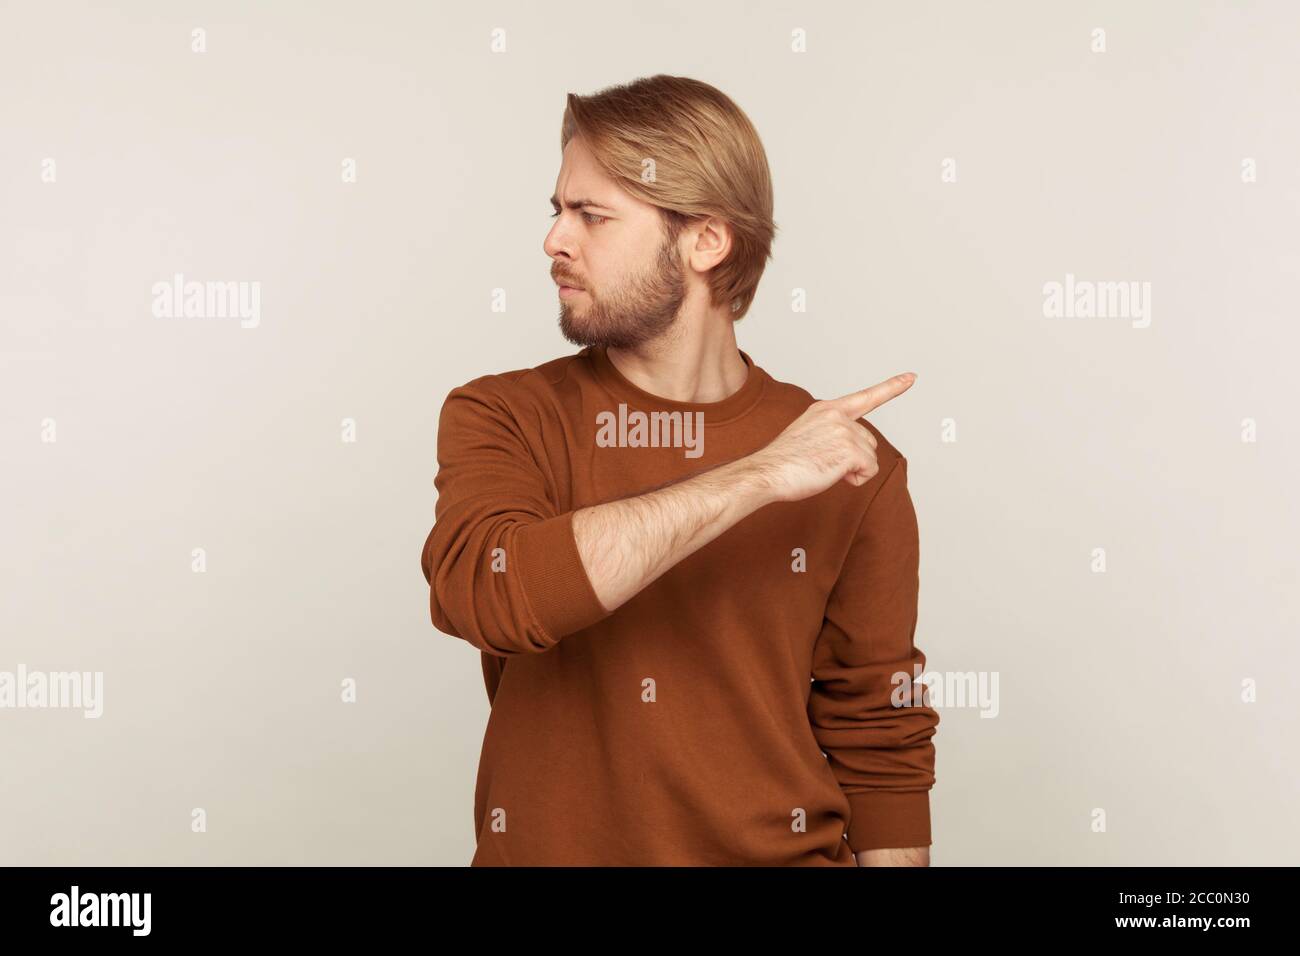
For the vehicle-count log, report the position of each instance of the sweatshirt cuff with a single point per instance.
(553, 578)
(883, 819)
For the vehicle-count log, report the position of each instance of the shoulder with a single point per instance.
(517, 389)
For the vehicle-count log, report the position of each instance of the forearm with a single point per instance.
(627, 544)
(903, 856)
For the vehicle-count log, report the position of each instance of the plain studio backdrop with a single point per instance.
(1107, 503)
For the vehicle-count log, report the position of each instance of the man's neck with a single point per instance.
(701, 363)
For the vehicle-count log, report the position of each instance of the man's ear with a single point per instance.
(711, 243)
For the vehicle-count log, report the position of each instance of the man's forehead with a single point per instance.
(582, 182)
(578, 190)
(577, 199)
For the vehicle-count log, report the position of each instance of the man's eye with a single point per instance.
(590, 217)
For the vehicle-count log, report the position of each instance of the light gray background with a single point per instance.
(1119, 691)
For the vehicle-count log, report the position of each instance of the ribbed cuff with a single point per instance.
(884, 820)
(554, 580)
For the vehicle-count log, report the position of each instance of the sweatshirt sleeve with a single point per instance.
(502, 564)
(880, 753)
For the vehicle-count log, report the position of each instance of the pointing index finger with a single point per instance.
(860, 402)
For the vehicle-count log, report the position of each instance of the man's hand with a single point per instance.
(904, 856)
(826, 443)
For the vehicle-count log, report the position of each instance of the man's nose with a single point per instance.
(555, 243)
(558, 242)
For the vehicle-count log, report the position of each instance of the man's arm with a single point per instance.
(866, 707)
(511, 574)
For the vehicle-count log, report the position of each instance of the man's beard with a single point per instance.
(639, 311)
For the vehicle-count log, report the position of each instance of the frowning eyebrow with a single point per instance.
(579, 204)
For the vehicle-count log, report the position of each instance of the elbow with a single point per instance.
(472, 600)
(493, 627)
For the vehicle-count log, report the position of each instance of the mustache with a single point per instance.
(563, 278)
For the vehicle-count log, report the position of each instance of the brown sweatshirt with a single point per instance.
(742, 709)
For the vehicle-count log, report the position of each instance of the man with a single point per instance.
(694, 587)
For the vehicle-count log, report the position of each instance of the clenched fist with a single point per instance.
(824, 444)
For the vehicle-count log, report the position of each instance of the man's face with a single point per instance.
(625, 281)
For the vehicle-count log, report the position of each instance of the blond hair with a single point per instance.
(685, 147)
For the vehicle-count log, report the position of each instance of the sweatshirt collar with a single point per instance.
(715, 413)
